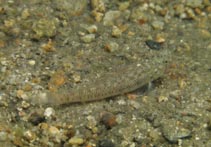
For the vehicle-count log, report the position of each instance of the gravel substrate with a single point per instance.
(51, 46)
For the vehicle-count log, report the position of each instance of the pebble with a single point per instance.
(3, 100)
(32, 62)
(137, 13)
(108, 119)
(25, 13)
(72, 7)
(92, 29)
(205, 34)
(3, 135)
(110, 17)
(49, 46)
(88, 38)
(76, 78)
(98, 5)
(111, 46)
(194, 3)
(173, 131)
(97, 15)
(49, 112)
(124, 5)
(29, 135)
(155, 135)
(121, 102)
(135, 104)
(91, 122)
(105, 143)
(53, 130)
(153, 44)
(116, 32)
(162, 98)
(209, 46)
(158, 25)
(25, 104)
(21, 94)
(45, 28)
(36, 117)
(176, 94)
(76, 141)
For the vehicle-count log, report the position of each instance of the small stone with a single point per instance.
(54, 130)
(76, 141)
(154, 135)
(97, 15)
(190, 13)
(110, 17)
(153, 44)
(158, 25)
(3, 100)
(29, 135)
(88, 38)
(111, 46)
(92, 29)
(57, 79)
(182, 83)
(194, 3)
(130, 33)
(45, 28)
(3, 136)
(160, 39)
(91, 122)
(21, 94)
(205, 34)
(124, 5)
(106, 143)
(162, 98)
(209, 46)
(36, 118)
(121, 102)
(25, 13)
(49, 46)
(9, 23)
(49, 112)
(176, 94)
(76, 78)
(25, 105)
(116, 32)
(98, 5)
(71, 7)
(135, 104)
(70, 131)
(43, 126)
(108, 119)
(32, 62)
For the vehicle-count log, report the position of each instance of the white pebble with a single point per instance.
(49, 112)
(32, 62)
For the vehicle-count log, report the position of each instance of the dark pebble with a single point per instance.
(108, 119)
(105, 143)
(36, 118)
(153, 44)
